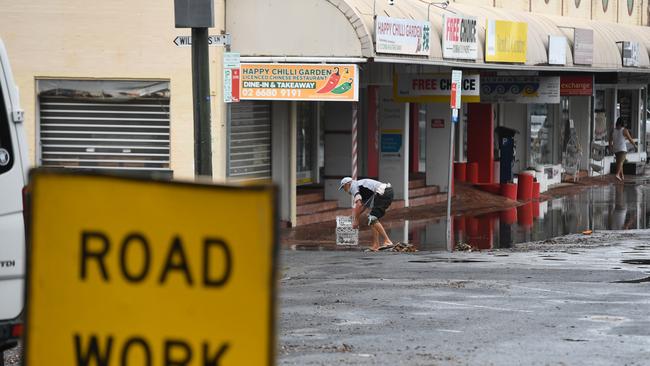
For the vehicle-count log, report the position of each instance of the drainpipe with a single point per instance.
(293, 149)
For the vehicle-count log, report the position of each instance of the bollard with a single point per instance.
(535, 194)
(524, 187)
(472, 172)
(509, 190)
(460, 171)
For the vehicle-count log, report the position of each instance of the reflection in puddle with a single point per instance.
(617, 207)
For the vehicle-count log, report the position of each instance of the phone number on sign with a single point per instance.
(271, 93)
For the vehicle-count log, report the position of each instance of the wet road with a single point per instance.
(606, 207)
(575, 300)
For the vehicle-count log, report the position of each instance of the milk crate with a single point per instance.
(345, 234)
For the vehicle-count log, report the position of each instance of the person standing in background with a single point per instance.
(617, 144)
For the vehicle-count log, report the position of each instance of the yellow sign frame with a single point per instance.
(506, 41)
(205, 288)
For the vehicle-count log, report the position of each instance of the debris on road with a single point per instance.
(399, 247)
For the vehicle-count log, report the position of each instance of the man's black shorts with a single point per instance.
(381, 202)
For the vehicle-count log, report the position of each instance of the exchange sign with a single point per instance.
(133, 272)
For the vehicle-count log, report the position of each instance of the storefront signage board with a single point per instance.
(630, 53)
(576, 85)
(459, 40)
(434, 88)
(506, 41)
(231, 73)
(402, 36)
(307, 82)
(557, 50)
(524, 89)
(583, 46)
(126, 271)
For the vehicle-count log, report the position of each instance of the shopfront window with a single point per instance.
(601, 125)
(541, 134)
(306, 139)
(628, 105)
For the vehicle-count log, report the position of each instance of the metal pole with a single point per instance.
(449, 181)
(355, 132)
(201, 95)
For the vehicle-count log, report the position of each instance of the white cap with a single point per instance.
(345, 181)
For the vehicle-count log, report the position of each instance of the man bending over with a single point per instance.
(372, 194)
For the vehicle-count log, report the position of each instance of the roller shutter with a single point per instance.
(249, 150)
(92, 133)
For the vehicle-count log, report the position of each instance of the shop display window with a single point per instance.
(541, 134)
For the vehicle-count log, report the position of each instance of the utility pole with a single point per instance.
(199, 15)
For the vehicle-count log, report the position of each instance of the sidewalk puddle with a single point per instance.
(612, 207)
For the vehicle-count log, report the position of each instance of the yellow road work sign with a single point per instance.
(133, 272)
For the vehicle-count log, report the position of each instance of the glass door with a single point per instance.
(305, 144)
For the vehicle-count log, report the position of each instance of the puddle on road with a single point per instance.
(640, 280)
(636, 261)
(445, 261)
(613, 207)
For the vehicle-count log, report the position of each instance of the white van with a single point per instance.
(13, 179)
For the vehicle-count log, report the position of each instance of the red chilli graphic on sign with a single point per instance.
(331, 82)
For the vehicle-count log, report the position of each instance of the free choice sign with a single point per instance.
(434, 88)
(133, 272)
(459, 37)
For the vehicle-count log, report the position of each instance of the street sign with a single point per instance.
(214, 40)
(456, 89)
(231, 72)
(124, 271)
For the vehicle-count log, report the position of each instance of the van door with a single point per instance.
(12, 181)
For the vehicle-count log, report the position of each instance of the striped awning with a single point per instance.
(345, 29)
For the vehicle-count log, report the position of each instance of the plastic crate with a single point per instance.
(345, 234)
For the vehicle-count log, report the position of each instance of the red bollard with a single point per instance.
(460, 171)
(525, 215)
(472, 227)
(472, 172)
(535, 209)
(508, 216)
(535, 194)
(524, 187)
(509, 190)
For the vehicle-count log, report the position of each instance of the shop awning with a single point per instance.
(342, 30)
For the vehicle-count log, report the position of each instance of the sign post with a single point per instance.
(455, 103)
(144, 272)
(199, 15)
